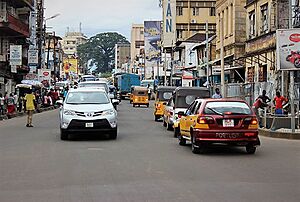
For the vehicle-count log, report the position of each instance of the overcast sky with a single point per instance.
(99, 16)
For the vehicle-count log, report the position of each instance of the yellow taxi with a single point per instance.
(140, 96)
(163, 94)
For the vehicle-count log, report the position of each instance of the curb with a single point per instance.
(20, 114)
(281, 135)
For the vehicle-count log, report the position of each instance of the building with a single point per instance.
(122, 56)
(264, 17)
(71, 41)
(137, 48)
(14, 29)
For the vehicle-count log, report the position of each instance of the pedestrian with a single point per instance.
(30, 100)
(66, 92)
(1, 104)
(10, 104)
(149, 92)
(217, 94)
(279, 101)
(260, 103)
(16, 99)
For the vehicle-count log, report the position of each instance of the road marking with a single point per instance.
(95, 149)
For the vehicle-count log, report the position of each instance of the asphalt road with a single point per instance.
(145, 163)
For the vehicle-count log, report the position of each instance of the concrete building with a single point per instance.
(71, 41)
(122, 56)
(14, 29)
(264, 17)
(231, 18)
(137, 48)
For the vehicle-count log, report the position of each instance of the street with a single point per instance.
(145, 163)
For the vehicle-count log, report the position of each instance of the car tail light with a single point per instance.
(204, 121)
(253, 123)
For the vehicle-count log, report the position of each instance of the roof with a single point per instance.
(140, 88)
(222, 100)
(166, 87)
(95, 82)
(196, 38)
(191, 88)
(87, 90)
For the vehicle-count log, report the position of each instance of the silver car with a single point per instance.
(88, 110)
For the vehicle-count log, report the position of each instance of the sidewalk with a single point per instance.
(19, 114)
(282, 133)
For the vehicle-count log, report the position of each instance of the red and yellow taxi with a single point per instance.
(228, 122)
(163, 94)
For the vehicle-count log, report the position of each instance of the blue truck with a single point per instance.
(125, 81)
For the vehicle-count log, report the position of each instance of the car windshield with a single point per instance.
(89, 79)
(87, 98)
(221, 108)
(185, 101)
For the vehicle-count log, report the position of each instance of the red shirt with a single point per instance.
(279, 101)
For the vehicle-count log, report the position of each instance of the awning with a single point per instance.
(217, 60)
(203, 43)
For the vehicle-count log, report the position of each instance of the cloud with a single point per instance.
(100, 15)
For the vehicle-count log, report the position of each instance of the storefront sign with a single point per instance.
(32, 57)
(44, 75)
(169, 23)
(15, 55)
(288, 49)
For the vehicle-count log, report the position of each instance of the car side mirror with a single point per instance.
(115, 102)
(60, 103)
(181, 113)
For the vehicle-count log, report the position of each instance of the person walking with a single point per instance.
(16, 99)
(279, 101)
(260, 103)
(10, 104)
(149, 92)
(217, 94)
(1, 104)
(30, 99)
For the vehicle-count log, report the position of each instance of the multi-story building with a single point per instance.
(231, 18)
(264, 17)
(122, 56)
(14, 29)
(137, 48)
(71, 41)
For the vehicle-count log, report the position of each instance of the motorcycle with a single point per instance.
(294, 58)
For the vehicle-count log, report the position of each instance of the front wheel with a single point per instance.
(169, 127)
(297, 63)
(156, 118)
(250, 149)
(182, 141)
(176, 132)
(63, 135)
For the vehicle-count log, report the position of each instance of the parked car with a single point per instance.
(88, 110)
(88, 78)
(229, 122)
(181, 99)
(163, 94)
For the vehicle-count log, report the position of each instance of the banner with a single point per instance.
(15, 57)
(169, 23)
(44, 75)
(288, 49)
(152, 35)
(70, 65)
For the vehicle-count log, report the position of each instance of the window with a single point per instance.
(264, 19)
(195, 11)
(179, 11)
(138, 44)
(1, 46)
(263, 73)
(220, 108)
(251, 24)
(142, 32)
(179, 33)
(250, 74)
(212, 11)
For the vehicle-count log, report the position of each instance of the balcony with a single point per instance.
(11, 25)
(24, 3)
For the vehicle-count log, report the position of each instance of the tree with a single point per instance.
(100, 50)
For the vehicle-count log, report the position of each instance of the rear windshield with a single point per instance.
(89, 79)
(221, 108)
(87, 98)
(185, 101)
(141, 93)
(164, 96)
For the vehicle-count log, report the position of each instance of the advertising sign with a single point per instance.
(70, 65)
(15, 55)
(288, 49)
(152, 35)
(44, 75)
(33, 57)
(169, 23)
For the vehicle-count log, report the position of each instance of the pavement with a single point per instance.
(145, 163)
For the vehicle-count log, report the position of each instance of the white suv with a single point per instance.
(88, 110)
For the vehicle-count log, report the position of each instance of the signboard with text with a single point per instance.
(15, 55)
(169, 23)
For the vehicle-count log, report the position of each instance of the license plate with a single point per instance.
(228, 123)
(228, 135)
(89, 125)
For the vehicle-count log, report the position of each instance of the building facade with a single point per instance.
(231, 18)
(14, 30)
(71, 41)
(137, 54)
(122, 57)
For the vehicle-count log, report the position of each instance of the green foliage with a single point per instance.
(100, 50)
(106, 74)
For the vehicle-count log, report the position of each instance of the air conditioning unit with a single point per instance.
(194, 21)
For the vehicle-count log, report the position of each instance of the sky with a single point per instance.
(99, 16)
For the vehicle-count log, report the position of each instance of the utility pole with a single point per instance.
(292, 82)
(40, 31)
(165, 68)
(207, 56)
(222, 58)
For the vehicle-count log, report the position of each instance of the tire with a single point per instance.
(130, 102)
(297, 63)
(176, 132)
(113, 134)
(250, 149)
(133, 105)
(147, 106)
(169, 127)
(156, 118)
(182, 141)
(64, 135)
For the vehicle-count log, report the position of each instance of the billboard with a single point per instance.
(288, 49)
(169, 23)
(70, 65)
(152, 35)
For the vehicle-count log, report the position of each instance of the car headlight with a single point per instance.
(109, 112)
(69, 112)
